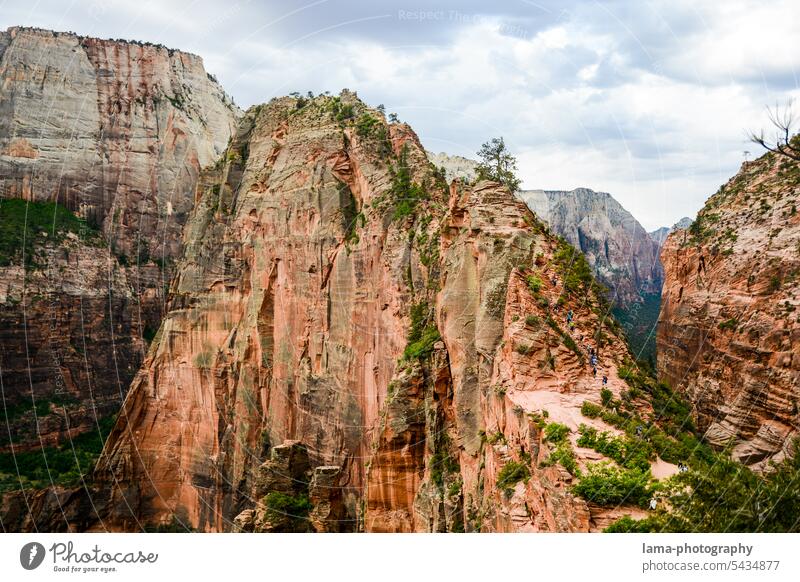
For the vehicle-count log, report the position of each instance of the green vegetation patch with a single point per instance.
(25, 225)
(608, 485)
(66, 464)
(639, 322)
(721, 495)
(282, 505)
(42, 406)
(423, 333)
(628, 452)
(512, 473)
(404, 193)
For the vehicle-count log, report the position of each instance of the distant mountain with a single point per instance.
(660, 235)
(454, 166)
(623, 255)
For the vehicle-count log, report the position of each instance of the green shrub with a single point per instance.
(404, 193)
(667, 405)
(423, 333)
(564, 455)
(729, 324)
(606, 397)
(570, 343)
(590, 409)
(538, 419)
(367, 125)
(608, 485)
(534, 283)
(495, 437)
(284, 505)
(555, 432)
(523, 349)
(626, 524)
(532, 321)
(629, 453)
(512, 473)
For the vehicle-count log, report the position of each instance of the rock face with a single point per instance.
(70, 337)
(117, 132)
(352, 341)
(455, 167)
(729, 334)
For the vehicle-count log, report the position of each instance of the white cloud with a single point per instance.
(647, 100)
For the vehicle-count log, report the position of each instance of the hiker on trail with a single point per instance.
(572, 326)
(594, 360)
(569, 316)
(639, 430)
(594, 371)
(653, 504)
(605, 380)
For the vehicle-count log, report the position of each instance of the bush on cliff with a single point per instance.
(608, 485)
(512, 473)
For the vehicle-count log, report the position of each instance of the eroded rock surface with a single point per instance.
(342, 318)
(729, 334)
(117, 132)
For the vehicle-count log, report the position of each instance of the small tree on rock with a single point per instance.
(497, 164)
(785, 143)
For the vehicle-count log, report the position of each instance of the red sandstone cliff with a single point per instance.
(729, 333)
(348, 332)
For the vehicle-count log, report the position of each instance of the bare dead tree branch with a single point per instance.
(782, 119)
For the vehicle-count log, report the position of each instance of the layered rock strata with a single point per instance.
(729, 333)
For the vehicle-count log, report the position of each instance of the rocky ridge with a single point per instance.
(729, 333)
(353, 345)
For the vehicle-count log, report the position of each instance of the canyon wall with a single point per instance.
(116, 132)
(351, 338)
(729, 333)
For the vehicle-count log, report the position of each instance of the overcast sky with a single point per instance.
(649, 101)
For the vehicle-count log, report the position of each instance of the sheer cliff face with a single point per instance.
(622, 254)
(345, 330)
(117, 132)
(729, 335)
